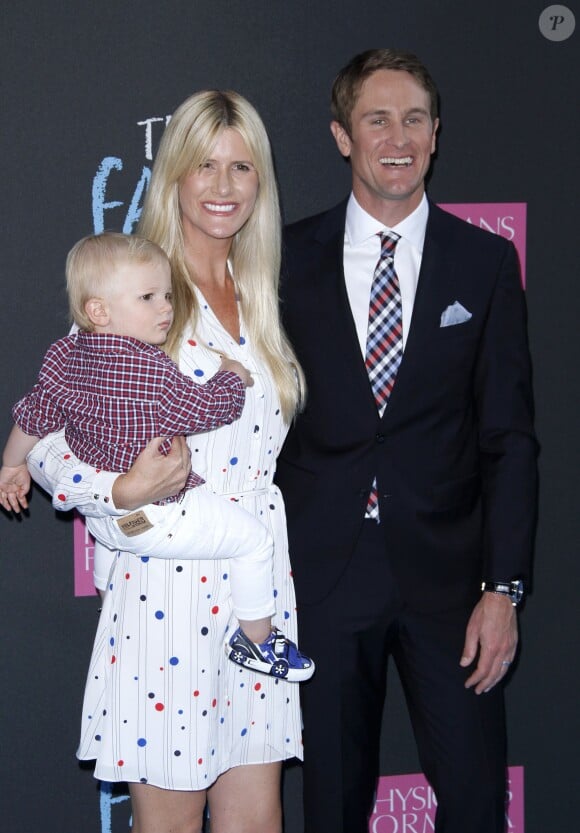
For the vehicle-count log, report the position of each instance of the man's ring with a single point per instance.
(506, 662)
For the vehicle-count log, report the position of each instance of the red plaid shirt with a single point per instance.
(112, 394)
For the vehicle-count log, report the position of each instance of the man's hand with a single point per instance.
(14, 486)
(153, 476)
(492, 637)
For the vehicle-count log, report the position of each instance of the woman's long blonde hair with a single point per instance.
(187, 142)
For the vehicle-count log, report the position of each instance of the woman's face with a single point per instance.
(218, 198)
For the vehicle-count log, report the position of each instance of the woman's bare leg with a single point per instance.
(156, 810)
(246, 799)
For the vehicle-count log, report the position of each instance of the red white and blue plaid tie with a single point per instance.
(384, 349)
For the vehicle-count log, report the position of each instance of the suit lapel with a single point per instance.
(337, 307)
(426, 307)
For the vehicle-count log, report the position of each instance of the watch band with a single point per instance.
(514, 590)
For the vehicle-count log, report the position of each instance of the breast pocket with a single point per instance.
(465, 330)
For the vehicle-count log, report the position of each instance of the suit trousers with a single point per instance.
(460, 735)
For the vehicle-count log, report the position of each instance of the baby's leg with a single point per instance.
(206, 526)
(203, 526)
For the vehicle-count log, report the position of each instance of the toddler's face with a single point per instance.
(140, 305)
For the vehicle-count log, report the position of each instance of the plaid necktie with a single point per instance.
(384, 336)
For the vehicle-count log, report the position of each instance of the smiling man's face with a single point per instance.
(391, 140)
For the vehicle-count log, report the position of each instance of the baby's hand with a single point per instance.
(14, 486)
(239, 369)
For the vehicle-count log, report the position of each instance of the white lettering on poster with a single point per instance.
(407, 804)
(405, 811)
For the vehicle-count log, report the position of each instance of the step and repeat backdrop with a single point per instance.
(87, 90)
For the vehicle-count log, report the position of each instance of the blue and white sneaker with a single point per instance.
(278, 656)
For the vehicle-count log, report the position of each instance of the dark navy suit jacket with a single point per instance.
(454, 453)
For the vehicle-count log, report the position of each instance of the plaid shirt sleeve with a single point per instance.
(36, 413)
(186, 407)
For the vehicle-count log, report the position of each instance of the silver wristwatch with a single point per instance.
(514, 590)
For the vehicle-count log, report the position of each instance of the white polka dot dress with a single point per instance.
(163, 704)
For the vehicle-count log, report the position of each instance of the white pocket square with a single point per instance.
(454, 314)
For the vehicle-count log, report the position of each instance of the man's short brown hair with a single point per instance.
(348, 82)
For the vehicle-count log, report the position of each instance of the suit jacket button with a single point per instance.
(380, 438)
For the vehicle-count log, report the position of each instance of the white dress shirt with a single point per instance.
(362, 249)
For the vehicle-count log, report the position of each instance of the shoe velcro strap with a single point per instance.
(279, 646)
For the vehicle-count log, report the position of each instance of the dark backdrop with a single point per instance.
(76, 79)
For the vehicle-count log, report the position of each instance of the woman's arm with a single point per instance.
(76, 485)
(153, 476)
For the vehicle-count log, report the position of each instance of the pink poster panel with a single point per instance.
(407, 804)
(84, 553)
(508, 219)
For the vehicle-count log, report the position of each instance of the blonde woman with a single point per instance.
(164, 708)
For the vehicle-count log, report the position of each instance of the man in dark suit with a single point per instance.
(410, 478)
